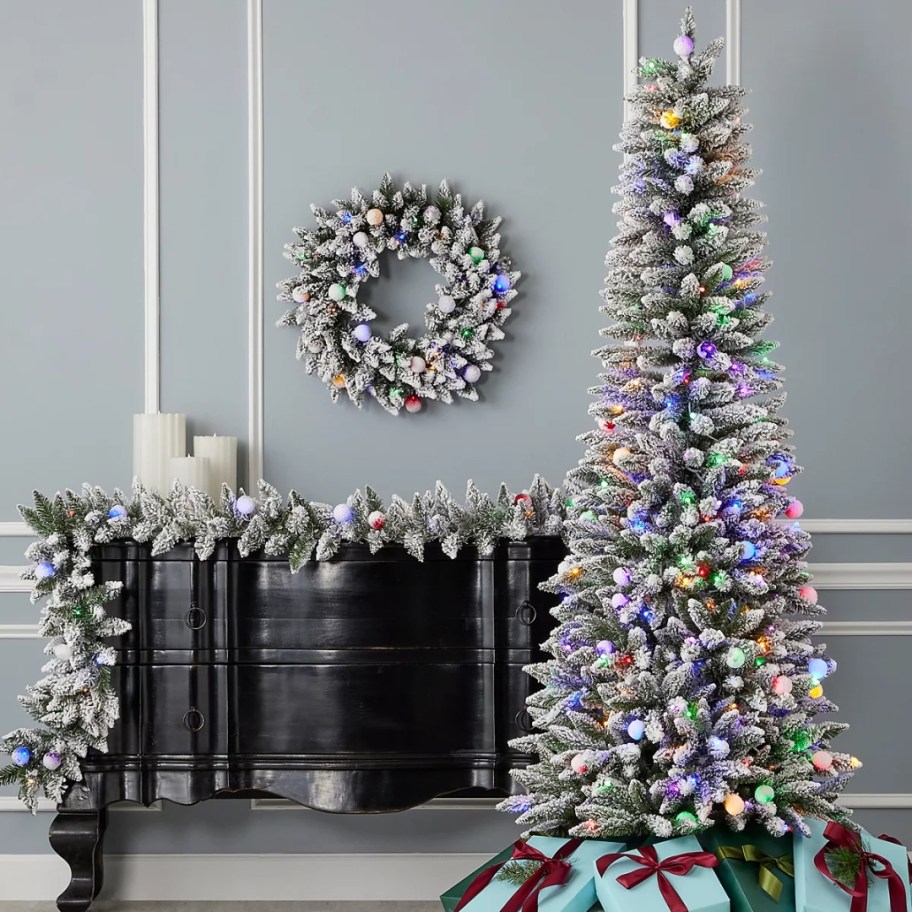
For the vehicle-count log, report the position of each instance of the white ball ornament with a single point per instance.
(580, 763)
(472, 373)
(432, 215)
(336, 292)
(52, 761)
(63, 651)
(619, 455)
(360, 239)
(299, 295)
(376, 520)
(417, 364)
(374, 217)
(446, 304)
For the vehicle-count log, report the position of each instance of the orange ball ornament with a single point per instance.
(339, 381)
(816, 692)
(669, 120)
(734, 805)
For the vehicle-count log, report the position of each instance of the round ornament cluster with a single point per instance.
(337, 339)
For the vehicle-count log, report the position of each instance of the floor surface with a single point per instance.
(102, 906)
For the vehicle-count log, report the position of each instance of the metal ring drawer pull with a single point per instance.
(196, 618)
(524, 720)
(199, 718)
(526, 613)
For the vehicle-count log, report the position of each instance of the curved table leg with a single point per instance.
(77, 837)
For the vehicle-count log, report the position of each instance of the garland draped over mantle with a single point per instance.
(75, 704)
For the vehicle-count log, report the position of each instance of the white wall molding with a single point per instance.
(15, 530)
(10, 804)
(10, 580)
(268, 878)
(862, 576)
(630, 16)
(857, 526)
(151, 238)
(866, 628)
(435, 804)
(19, 632)
(255, 242)
(864, 801)
(733, 42)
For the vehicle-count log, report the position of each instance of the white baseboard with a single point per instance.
(276, 878)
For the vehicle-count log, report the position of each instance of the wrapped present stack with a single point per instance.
(835, 869)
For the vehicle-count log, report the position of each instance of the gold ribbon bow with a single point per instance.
(769, 882)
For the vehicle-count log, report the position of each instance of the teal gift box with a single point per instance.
(880, 889)
(569, 861)
(674, 874)
(755, 868)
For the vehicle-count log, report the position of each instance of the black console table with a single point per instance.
(367, 683)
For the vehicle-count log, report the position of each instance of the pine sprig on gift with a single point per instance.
(844, 863)
(518, 872)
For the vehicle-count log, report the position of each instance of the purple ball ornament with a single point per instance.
(671, 218)
(362, 332)
(619, 600)
(605, 648)
(707, 351)
(622, 576)
(45, 570)
(343, 514)
(683, 45)
(52, 761)
(245, 505)
(22, 756)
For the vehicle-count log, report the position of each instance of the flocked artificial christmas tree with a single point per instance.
(684, 685)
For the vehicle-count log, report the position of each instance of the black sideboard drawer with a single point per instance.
(174, 601)
(336, 710)
(366, 603)
(184, 709)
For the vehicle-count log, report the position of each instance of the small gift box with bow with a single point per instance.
(842, 870)
(544, 874)
(675, 875)
(755, 868)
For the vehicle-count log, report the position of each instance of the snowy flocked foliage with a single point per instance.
(684, 684)
(75, 704)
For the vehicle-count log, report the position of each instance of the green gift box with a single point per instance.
(756, 868)
(455, 893)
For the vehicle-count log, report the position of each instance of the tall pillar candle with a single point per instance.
(156, 439)
(222, 455)
(191, 472)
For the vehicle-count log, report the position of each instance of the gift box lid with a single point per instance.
(576, 894)
(816, 893)
(743, 880)
(699, 889)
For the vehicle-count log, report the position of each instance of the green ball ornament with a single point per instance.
(467, 333)
(588, 515)
(764, 794)
(477, 254)
(336, 292)
(735, 658)
(726, 272)
(686, 818)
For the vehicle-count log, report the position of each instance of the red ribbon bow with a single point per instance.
(838, 836)
(678, 865)
(553, 872)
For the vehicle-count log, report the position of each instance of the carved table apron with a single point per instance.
(362, 684)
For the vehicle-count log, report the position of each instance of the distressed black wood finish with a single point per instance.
(364, 684)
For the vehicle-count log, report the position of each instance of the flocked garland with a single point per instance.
(75, 704)
(343, 252)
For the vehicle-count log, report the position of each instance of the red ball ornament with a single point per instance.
(808, 594)
(703, 569)
(376, 520)
(579, 764)
(625, 659)
(607, 426)
(413, 404)
(523, 499)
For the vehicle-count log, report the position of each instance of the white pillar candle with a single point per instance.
(156, 439)
(191, 471)
(222, 455)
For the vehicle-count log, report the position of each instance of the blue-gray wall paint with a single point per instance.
(519, 105)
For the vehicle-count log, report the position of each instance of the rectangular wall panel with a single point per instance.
(517, 103)
(71, 231)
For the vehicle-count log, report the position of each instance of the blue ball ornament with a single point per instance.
(707, 351)
(637, 729)
(502, 284)
(45, 570)
(343, 513)
(118, 511)
(22, 756)
(818, 668)
(748, 550)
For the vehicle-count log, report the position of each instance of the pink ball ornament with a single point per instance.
(376, 520)
(413, 404)
(417, 364)
(782, 685)
(795, 509)
(683, 46)
(822, 761)
(808, 594)
(621, 576)
(374, 217)
(580, 764)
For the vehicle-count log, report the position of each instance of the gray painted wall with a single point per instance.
(519, 107)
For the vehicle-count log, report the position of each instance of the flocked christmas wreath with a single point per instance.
(343, 252)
